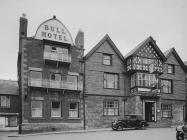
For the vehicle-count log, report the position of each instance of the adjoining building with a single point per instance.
(9, 103)
(50, 77)
(104, 84)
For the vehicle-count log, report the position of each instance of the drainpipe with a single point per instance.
(84, 113)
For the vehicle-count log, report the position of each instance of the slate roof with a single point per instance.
(8, 87)
(108, 39)
(174, 52)
(142, 44)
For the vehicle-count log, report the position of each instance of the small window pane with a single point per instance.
(110, 107)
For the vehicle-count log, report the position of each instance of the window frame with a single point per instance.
(167, 108)
(105, 109)
(36, 72)
(60, 109)
(6, 100)
(70, 117)
(110, 60)
(170, 68)
(171, 88)
(41, 109)
(105, 80)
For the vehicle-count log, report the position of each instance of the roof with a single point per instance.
(185, 63)
(8, 87)
(173, 51)
(108, 39)
(142, 44)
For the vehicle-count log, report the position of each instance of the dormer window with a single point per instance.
(171, 68)
(107, 59)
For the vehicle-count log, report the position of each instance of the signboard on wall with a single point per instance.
(54, 30)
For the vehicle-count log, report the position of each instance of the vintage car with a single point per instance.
(181, 132)
(129, 122)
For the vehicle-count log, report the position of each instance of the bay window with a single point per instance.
(144, 80)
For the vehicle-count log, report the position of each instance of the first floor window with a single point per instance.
(111, 107)
(5, 101)
(111, 80)
(36, 108)
(166, 86)
(74, 110)
(55, 109)
(166, 110)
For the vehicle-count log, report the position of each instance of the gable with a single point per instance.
(106, 41)
(148, 51)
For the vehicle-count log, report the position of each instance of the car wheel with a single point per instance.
(120, 128)
(179, 136)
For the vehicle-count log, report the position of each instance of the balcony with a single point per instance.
(58, 57)
(45, 83)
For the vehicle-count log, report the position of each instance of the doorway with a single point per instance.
(150, 111)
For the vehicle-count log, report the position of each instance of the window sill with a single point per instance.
(56, 118)
(73, 118)
(112, 88)
(35, 118)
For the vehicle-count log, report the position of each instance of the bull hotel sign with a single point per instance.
(54, 30)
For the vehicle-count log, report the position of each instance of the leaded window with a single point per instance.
(166, 110)
(111, 108)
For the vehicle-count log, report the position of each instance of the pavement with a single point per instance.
(61, 132)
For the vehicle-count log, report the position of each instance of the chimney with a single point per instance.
(79, 40)
(23, 26)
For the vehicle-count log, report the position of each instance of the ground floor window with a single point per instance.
(166, 110)
(111, 107)
(55, 109)
(5, 101)
(74, 110)
(37, 109)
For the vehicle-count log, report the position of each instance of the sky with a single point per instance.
(127, 22)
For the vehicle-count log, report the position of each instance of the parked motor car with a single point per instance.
(181, 132)
(129, 122)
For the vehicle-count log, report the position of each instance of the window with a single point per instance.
(56, 77)
(36, 109)
(111, 108)
(5, 101)
(111, 80)
(73, 110)
(166, 86)
(166, 110)
(107, 59)
(144, 80)
(53, 49)
(55, 109)
(171, 69)
(36, 74)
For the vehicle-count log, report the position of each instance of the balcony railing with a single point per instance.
(57, 57)
(45, 83)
